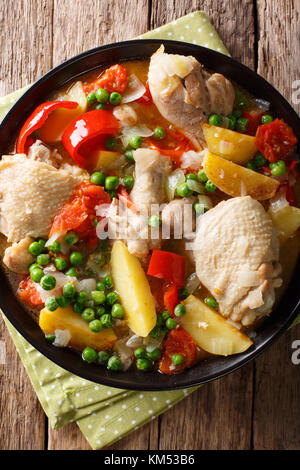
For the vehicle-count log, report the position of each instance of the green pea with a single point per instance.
(259, 160)
(76, 258)
(71, 272)
(112, 298)
(153, 353)
(231, 122)
(100, 311)
(107, 281)
(135, 141)
(82, 297)
(100, 286)
(242, 124)
(106, 320)
(128, 181)
(212, 303)
(115, 98)
(71, 238)
(171, 323)
(210, 187)
(202, 176)
(177, 359)
(117, 311)
(278, 168)
(139, 353)
(88, 315)
(98, 297)
(50, 338)
(179, 310)
(91, 97)
(159, 133)
(165, 315)
(33, 266)
(114, 363)
(60, 263)
(155, 332)
(112, 194)
(215, 120)
(36, 274)
(129, 155)
(95, 326)
(42, 243)
(143, 364)
(102, 95)
(110, 143)
(51, 304)
(69, 290)
(43, 259)
(252, 165)
(101, 106)
(183, 293)
(103, 357)
(35, 248)
(111, 182)
(237, 113)
(191, 176)
(78, 308)
(183, 190)
(98, 178)
(63, 302)
(89, 355)
(266, 119)
(48, 282)
(55, 247)
(154, 221)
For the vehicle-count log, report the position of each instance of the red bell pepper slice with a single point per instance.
(275, 140)
(87, 133)
(37, 119)
(79, 213)
(178, 342)
(28, 293)
(113, 79)
(168, 266)
(171, 298)
(125, 198)
(175, 144)
(254, 120)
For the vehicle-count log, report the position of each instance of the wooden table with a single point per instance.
(257, 407)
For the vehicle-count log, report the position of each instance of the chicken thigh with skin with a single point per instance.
(185, 94)
(236, 252)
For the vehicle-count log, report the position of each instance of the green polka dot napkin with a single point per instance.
(105, 414)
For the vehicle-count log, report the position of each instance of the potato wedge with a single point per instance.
(236, 180)
(286, 221)
(59, 119)
(81, 335)
(107, 160)
(133, 287)
(211, 331)
(234, 146)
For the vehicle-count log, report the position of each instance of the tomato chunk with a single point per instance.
(275, 140)
(28, 293)
(254, 119)
(178, 342)
(171, 298)
(113, 79)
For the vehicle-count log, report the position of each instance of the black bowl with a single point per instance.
(205, 371)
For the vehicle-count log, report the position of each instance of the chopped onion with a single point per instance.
(279, 201)
(192, 283)
(87, 285)
(102, 210)
(62, 338)
(125, 353)
(54, 237)
(60, 278)
(172, 181)
(206, 202)
(195, 186)
(140, 130)
(134, 90)
(263, 105)
(192, 159)
(153, 343)
(135, 341)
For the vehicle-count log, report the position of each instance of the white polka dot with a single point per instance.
(77, 394)
(199, 30)
(211, 34)
(90, 426)
(102, 429)
(187, 26)
(33, 366)
(170, 33)
(120, 419)
(72, 378)
(133, 421)
(194, 41)
(46, 371)
(174, 22)
(59, 418)
(219, 49)
(167, 401)
(206, 45)
(90, 400)
(204, 20)
(136, 428)
(153, 417)
(107, 404)
(98, 442)
(182, 38)
(137, 409)
(93, 414)
(124, 407)
(106, 416)
(52, 387)
(72, 406)
(109, 392)
(83, 383)
(58, 375)
(124, 395)
(41, 383)
(192, 15)
(169, 406)
(47, 398)
(116, 432)
(59, 403)
(154, 398)
(89, 412)
(150, 411)
(96, 388)
(38, 354)
(141, 395)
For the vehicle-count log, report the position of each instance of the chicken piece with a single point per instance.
(38, 151)
(186, 94)
(17, 257)
(31, 193)
(150, 171)
(236, 252)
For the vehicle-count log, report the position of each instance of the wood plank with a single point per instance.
(234, 21)
(67, 438)
(278, 44)
(95, 23)
(143, 439)
(25, 27)
(217, 416)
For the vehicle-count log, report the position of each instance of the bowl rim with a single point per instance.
(179, 381)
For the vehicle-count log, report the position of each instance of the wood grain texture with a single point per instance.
(278, 44)
(233, 20)
(67, 438)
